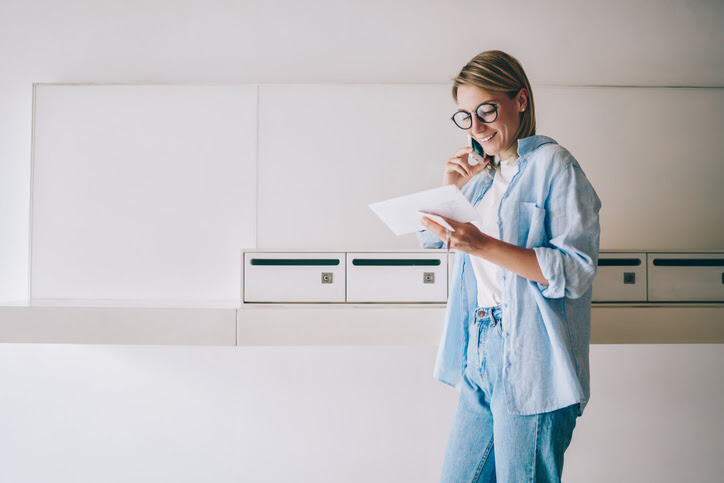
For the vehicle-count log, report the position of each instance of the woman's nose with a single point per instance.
(477, 125)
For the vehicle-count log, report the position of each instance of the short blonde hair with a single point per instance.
(496, 71)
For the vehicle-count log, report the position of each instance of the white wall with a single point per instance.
(170, 412)
(559, 43)
(145, 194)
(142, 194)
(74, 413)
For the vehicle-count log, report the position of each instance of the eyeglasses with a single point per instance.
(486, 112)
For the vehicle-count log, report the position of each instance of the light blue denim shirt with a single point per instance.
(550, 207)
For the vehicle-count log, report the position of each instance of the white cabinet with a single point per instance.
(414, 276)
(621, 277)
(397, 277)
(141, 194)
(293, 277)
(425, 276)
(686, 277)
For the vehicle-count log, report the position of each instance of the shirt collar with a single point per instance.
(526, 145)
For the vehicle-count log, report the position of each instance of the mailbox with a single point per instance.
(293, 277)
(397, 277)
(621, 277)
(424, 277)
(686, 277)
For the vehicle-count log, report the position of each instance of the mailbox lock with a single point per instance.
(326, 277)
(428, 277)
(629, 278)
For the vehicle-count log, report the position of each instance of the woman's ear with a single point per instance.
(522, 99)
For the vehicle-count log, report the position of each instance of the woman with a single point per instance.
(517, 325)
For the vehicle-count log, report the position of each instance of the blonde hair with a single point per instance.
(496, 71)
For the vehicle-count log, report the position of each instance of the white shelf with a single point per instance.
(328, 324)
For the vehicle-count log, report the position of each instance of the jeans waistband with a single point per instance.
(482, 312)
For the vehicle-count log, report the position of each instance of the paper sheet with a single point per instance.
(402, 215)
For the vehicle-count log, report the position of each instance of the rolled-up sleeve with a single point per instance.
(429, 240)
(570, 261)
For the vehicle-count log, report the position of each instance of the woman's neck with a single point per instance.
(507, 154)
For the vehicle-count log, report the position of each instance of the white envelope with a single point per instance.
(403, 214)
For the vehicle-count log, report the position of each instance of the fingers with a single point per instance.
(453, 166)
(445, 224)
(430, 225)
(460, 163)
(465, 150)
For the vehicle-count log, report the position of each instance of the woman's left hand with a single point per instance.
(466, 237)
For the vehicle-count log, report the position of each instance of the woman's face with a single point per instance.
(505, 125)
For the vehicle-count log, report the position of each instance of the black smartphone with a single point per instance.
(478, 155)
(477, 147)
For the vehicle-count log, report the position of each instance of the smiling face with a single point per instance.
(504, 127)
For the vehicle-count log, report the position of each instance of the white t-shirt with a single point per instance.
(489, 275)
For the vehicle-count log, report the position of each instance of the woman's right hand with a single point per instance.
(458, 171)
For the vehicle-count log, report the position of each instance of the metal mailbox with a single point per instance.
(686, 277)
(397, 277)
(424, 277)
(621, 277)
(293, 277)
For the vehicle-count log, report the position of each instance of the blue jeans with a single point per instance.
(488, 444)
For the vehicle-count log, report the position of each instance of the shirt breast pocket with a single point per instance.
(531, 225)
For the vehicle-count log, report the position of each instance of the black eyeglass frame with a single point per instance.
(495, 109)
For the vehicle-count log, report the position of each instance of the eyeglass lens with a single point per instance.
(485, 113)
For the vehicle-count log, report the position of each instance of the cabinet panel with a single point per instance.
(682, 277)
(294, 277)
(397, 277)
(141, 194)
(621, 277)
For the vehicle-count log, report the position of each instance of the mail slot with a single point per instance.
(621, 277)
(293, 277)
(397, 277)
(678, 277)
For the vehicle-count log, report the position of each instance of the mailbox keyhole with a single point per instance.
(327, 277)
(428, 277)
(629, 278)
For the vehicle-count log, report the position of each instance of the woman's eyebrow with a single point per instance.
(490, 101)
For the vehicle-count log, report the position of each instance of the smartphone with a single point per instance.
(478, 155)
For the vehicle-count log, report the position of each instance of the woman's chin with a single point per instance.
(492, 150)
